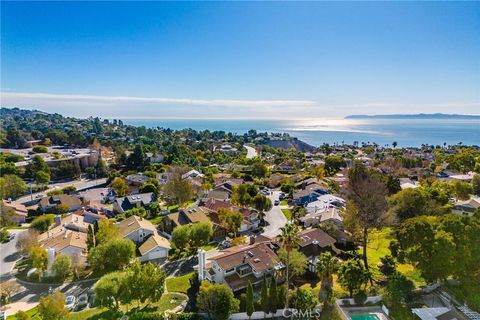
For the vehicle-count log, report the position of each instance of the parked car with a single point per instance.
(276, 202)
(70, 302)
(11, 236)
(224, 244)
(82, 301)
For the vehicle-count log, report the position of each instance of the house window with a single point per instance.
(244, 270)
(229, 270)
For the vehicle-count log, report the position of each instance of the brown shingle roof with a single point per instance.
(64, 239)
(134, 223)
(259, 256)
(307, 236)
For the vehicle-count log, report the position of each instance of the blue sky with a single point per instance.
(258, 60)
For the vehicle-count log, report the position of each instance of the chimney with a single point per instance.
(201, 265)
(58, 220)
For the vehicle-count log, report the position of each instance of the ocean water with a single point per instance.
(406, 132)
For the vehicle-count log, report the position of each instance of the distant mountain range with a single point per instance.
(414, 116)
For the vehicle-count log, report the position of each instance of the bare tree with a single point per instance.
(27, 240)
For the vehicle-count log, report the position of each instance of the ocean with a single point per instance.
(406, 132)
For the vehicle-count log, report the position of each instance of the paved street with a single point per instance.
(275, 218)
(9, 254)
(251, 152)
(79, 184)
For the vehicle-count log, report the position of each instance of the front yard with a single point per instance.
(179, 284)
(287, 213)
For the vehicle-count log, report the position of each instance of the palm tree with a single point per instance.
(327, 265)
(289, 241)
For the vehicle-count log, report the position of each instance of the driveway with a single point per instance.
(274, 218)
(9, 254)
(251, 152)
(30, 294)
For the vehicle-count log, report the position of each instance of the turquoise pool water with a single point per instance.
(368, 316)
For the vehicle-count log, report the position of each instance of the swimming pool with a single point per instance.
(368, 316)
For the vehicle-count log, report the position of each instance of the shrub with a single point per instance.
(360, 297)
(42, 223)
(40, 149)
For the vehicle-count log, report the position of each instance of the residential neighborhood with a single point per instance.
(239, 160)
(296, 227)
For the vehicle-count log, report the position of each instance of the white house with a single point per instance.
(136, 229)
(156, 247)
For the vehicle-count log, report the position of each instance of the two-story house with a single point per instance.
(238, 266)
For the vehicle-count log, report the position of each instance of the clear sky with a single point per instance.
(241, 59)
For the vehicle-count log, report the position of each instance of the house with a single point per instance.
(326, 200)
(438, 313)
(136, 179)
(467, 207)
(68, 236)
(221, 192)
(192, 174)
(227, 148)
(18, 211)
(251, 219)
(406, 183)
(136, 229)
(220, 178)
(285, 167)
(120, 205)
(238, 266)
(313, 242)
(155, 247)
(304, 183)
(64, 241)
(324, 214)
(52, 203)
(154, 158)
(304, 197)
(194, 215)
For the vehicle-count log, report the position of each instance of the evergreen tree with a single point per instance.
(249, 300)
(264, 297)
(273, 295)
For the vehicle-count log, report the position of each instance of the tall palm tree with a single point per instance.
(289, 241)
(327, 265)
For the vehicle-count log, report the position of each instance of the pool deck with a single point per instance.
(347, 312)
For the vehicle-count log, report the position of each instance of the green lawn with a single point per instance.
(92, 314)
(179, 284)
(377, 247)
(284, 203)
(287, 213)
(33, 313)
(156, 220)
(170, 300)
(209, 246)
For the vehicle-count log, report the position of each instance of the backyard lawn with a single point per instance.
(179, 284)
(378, 242)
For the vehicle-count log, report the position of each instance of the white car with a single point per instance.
(70, 302)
